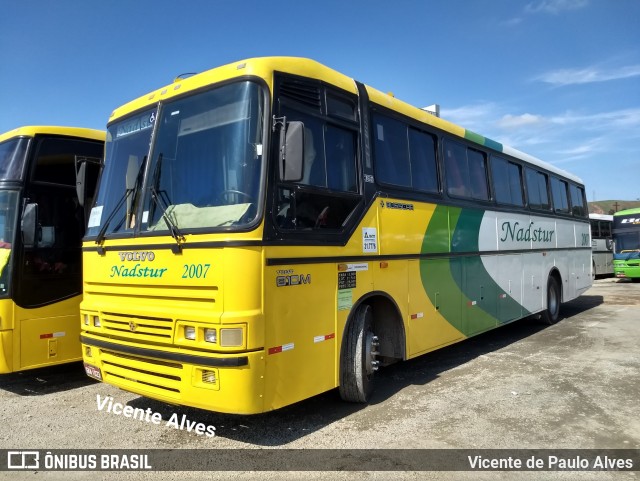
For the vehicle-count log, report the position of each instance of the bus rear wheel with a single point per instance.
(358, 362)
(551, 314)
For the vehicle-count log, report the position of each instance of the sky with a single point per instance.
(557, 79)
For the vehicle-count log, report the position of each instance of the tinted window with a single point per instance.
(578, 206)
(340, 151)
(55, 161)
(537, 189)
(391, 151)
(422, 151)
(560, 195)
(507, 181)
(339, 107)
(466, 171)
(12, 158)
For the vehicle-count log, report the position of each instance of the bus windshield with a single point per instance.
(206, 161)
(126, 149)
(12, 157)
(628, 243)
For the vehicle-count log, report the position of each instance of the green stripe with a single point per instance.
(479, 139)
(462, 289)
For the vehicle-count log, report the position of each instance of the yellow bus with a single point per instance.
(42, 221)
(272, 229)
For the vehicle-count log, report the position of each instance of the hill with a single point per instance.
(610, 207)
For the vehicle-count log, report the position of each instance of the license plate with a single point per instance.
(93, 372)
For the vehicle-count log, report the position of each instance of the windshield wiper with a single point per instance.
(114, 211)
(157, 199)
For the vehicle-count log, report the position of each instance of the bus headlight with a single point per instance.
(190, 333)
(231, 337)
(96, 321)
(85, 319)
(210, 335)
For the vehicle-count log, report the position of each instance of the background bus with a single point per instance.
(41, 227)
(601, 244)
(272, 229)
(626, 244)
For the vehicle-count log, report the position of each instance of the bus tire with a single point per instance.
(358, 361)
(551, 314)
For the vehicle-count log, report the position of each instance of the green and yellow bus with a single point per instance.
(626, 244)
(42, 222)
(272, 229)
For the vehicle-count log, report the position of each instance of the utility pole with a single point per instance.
(616, 205)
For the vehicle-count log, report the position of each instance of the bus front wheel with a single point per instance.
(551, 314)
(358, 362)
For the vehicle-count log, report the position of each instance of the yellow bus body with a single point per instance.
(285, 299)
(34, 337)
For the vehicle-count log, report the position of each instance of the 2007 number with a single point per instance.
(195, 271)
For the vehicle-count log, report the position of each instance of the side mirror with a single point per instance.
(292, 152)
(29, 225)
(81, 174)
(87, 172)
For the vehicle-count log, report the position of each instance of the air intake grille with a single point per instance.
(303, 93)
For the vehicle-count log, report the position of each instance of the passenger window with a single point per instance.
(537, 189)
(560, 195)
(478, 174)
(466, 171)
(422, 152)
(507, 181)
(391, 151)
(456, 172)
(578, 206)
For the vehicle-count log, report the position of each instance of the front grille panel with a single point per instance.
(138, 327)
(161, 378)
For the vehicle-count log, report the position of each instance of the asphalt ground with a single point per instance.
(573, 385)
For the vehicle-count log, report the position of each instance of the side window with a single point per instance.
(456, 172)
(578, 205)
(478, 174)
(507, 181)
(391, 151)
(422, 152)
(328, 190)
(466, 171)
(537, 190)
(605, 229)
(340, 107)
(314, 172)
(595, 231)
(560, 195)
(340, 151)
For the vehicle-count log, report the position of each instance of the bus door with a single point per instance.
(48, 272)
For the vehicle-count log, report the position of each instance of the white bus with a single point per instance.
(601, 244)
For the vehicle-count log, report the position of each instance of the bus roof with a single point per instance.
(601, 216)
(264, 67)
(627, 212)
(32, 130)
